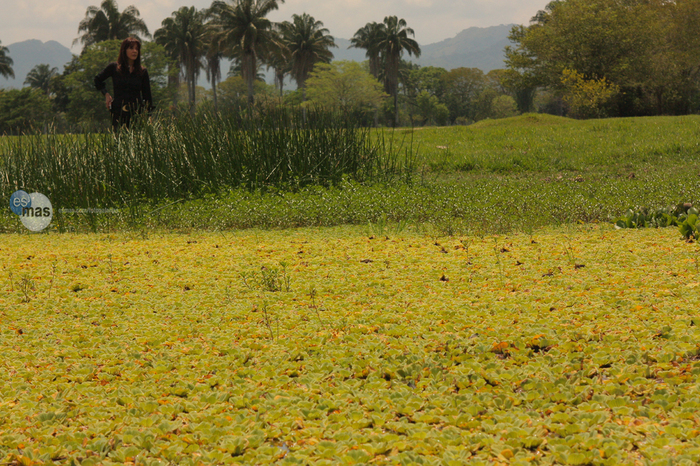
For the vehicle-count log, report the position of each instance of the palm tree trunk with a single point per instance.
(374, 66)
(396, 108)
(191, 86)
(174, 83)
(189, 69)
(249, 61)
(213, 90)
(280, 80)
(392, 79)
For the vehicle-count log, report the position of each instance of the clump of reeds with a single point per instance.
(187, 157)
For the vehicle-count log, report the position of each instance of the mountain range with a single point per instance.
(474, 47)
(27, 54)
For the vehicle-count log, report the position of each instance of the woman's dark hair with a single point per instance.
(123, 61)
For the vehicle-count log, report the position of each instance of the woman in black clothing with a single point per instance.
(132, 88)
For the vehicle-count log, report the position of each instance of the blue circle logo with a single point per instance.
(20, 200)
(34, 210)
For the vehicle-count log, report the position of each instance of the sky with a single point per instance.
(432, 20)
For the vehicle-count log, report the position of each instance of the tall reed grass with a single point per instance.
(188, 157)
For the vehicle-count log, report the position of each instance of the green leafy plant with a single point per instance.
(684, 216)
(269, 278)
(689, 227)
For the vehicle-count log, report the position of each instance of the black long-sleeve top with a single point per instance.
(129, 87)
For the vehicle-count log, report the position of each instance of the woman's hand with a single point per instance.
(108, 100)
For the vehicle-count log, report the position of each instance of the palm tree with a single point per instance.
(107, 23)
(213, 69)
(40, 77)
(236, 70)
(393, 41)
(244, 32)
(307, 42)
(213, 56)
(367, 37)
(279, 60)
(184, 36)
(6, 63)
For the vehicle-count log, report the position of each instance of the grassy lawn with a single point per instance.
(574, 345)
(546, 143)
(516, 174)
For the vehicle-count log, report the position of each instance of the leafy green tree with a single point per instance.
(423, 78)
(498, 79)
(483, 104)
(244, 32)
(597, 38)
(508, 82)
(368, 37)
(505, 82)
(107, 23)
(40, 77)
(344, 85)
(85, 106)
(394, 40)
(24, 110)
(233, 93)
(5, 63)
(542, 16)
(587, 97)
(416, 80)
(462, 88)
(307, 43)
(184, 36)
(430, 111)
(160, 69)
(624, 42)
(674, 70)
(503, 106)
(59, 89)
(522, 75)
(431, 80)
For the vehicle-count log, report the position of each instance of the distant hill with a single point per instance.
(29, 53)
(472, 48)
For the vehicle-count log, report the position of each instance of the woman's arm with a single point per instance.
(100, 79)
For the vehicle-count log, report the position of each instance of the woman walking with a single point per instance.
(132, 87)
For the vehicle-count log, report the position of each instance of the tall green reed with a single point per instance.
(188, 157)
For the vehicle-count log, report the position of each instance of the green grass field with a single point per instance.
(495, 176)
(546, 143)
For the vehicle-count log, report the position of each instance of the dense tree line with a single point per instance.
(582, 58)
(610, 57)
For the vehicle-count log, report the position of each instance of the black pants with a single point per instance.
(123, 114)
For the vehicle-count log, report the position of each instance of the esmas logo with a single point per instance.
(33, 209)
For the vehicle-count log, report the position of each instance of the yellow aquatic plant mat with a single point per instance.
(331, 346)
